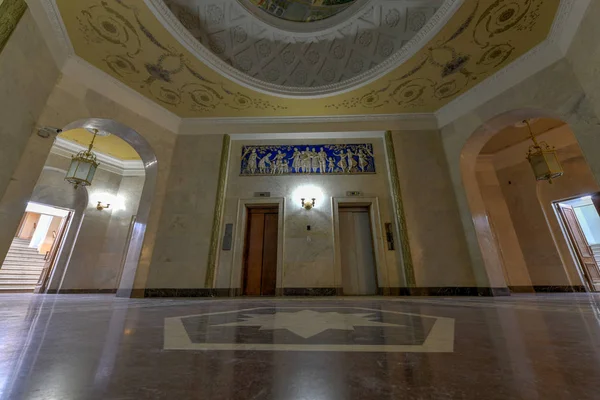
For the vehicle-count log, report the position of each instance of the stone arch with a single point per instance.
(492, 256)
(148, 156)
(60, 194)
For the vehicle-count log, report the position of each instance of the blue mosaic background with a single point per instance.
(308, 159)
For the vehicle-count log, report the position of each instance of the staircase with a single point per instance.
(596, 251)
(22, 267)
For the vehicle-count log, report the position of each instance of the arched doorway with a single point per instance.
(520, 235)
(96, 232)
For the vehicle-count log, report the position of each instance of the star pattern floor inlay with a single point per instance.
(354, 329)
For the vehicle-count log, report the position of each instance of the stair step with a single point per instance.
(34, 257)
(4, 272)
(26, 259)
(23, 267)
(12, 284)
(23, 264)
(7, 288)
(16, 279)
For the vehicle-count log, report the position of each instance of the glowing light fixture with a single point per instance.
(101, 206)
(83, 166)
(543, 159)
(308, 204)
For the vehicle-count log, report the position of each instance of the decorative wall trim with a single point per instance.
(81, 291)
(554, 48)
(213, 251)
(11, 12)
(414, 121)
(322, 291)
(548, 289)
(446, 291)
(170, 292)
(67, 148)
(183, 36)
(401, 228)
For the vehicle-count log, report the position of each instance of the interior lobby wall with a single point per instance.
(308, 256)
(71, 101)
(96, 258)
(185, 228)
(464, 138)
(25, 85)
(439, 251)
(568, 90)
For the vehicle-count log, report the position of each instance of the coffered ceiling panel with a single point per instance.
(325, 55)
(125, 39)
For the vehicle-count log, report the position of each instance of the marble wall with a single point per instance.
(308, 256)
(24, 89)
(439, 251)
(97, 254)
(182, 244)
(72, 101)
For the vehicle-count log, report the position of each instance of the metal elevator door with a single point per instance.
(356, 244)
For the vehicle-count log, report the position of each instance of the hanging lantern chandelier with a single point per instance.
(543, 159)
(83, 166)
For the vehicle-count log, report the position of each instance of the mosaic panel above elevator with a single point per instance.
(308, 159)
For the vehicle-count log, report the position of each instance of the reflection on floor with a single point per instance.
(100, 347)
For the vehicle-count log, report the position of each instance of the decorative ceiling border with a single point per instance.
(551, 50)
(301, 29)
(185, 38)
(66, 148)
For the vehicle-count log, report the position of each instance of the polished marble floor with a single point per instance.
(101, 347)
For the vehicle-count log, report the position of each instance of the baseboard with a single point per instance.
(191, 292)
(548, 289)
(330, 291)
(444, 291)
(81, 291)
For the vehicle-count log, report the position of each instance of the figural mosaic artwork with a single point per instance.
(305, 159)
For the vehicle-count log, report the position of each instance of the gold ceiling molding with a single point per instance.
(124, 39)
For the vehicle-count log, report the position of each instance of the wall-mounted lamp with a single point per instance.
(101, 206)
(308, 204)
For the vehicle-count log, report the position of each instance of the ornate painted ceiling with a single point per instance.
(303, 10)
(111, 145)
(125, 39)
(326, 55)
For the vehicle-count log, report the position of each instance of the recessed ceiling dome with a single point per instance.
(303, 10)
(348, 42)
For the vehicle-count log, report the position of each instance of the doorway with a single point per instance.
(260, 254)
(581, 227)
(359, 276)
(34, 249)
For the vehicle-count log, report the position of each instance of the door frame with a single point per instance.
(571, 246)
(240, 231)
(381, 270)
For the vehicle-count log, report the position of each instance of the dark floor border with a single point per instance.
(191, 292)
(548, 289)
(330, 291)
(81, 291)
(444, 291)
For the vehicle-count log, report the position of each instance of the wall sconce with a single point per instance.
(308, 204)
(101, 206)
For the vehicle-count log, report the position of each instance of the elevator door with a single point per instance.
(356, 245)
(260, 265)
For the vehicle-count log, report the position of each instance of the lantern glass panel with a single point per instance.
(82, 171)
(553, 163)
(539, 165)
(91, 173)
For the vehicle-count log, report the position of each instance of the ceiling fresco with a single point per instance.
(124, 39)
(344, 51)
(112, 145)
(303, 10)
